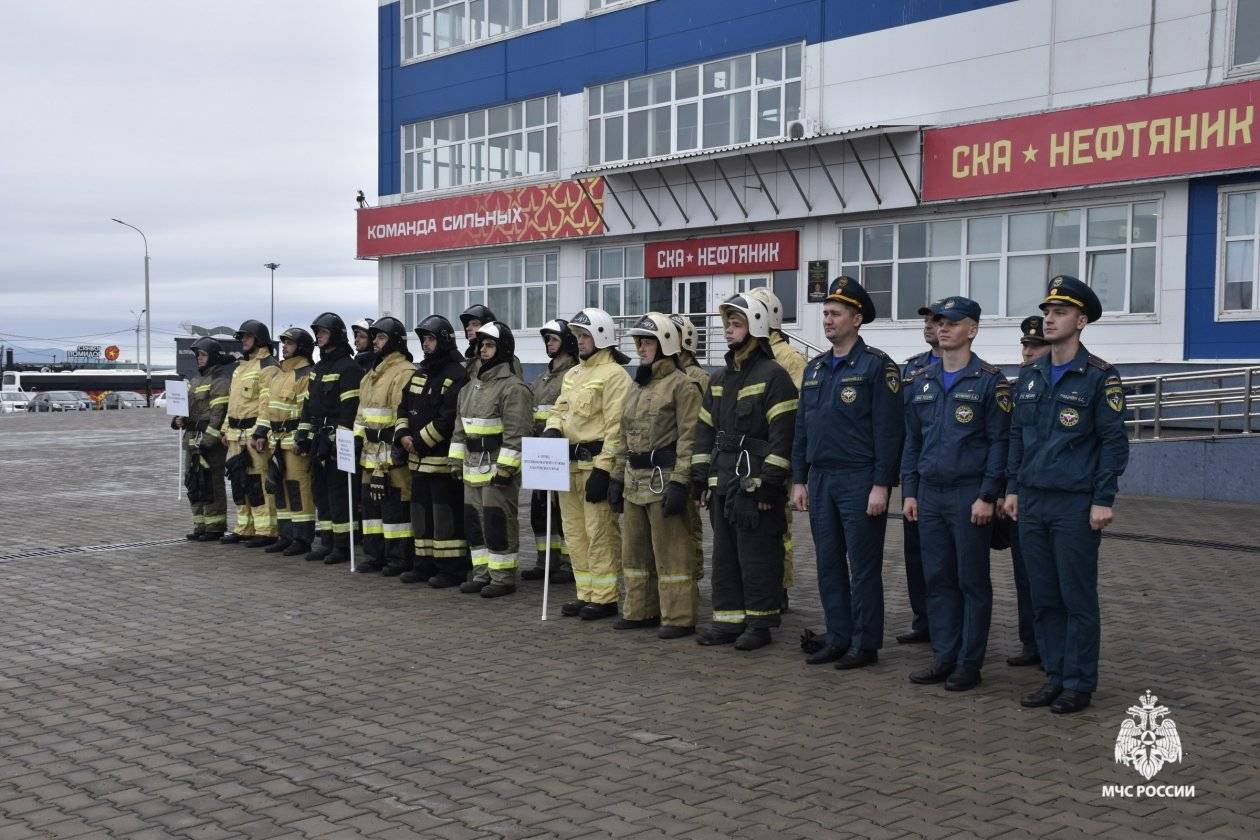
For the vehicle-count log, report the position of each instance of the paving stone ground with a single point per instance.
(197, 691)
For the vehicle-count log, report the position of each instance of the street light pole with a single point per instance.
(148, 327)
(273, 266)
(142, 311)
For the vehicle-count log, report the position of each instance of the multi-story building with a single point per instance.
(544, 155)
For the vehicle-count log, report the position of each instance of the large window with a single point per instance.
(492, 144)
(1239, 249)
(1003, 262)
(719, 103)
(782, 283)
(1244, 44)
(432, 26)
(521, 291)
(597, 5)
(615, 283)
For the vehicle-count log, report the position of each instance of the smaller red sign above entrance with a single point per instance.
(741, 254)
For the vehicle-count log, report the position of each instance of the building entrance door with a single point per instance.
(691, 298)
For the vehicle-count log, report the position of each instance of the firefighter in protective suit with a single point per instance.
(203, 439)
(255, 512)
(588, 414)
(289, 471)
(793, 361)
(495, 412)
(331, 403)
(700, 378)
(653, 480)
(364, 355)
(426, 423)
(740, 472)
(386, 481)
(561, 346)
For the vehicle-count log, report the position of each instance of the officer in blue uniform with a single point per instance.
(952, 472)
(1068, 448)
(916, 589)
(845, 458)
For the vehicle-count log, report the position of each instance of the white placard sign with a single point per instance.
(544, 463)
(177, 398)
(345, 450)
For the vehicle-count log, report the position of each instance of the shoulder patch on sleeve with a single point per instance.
(892, 376)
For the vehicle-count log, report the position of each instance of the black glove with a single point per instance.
(675, 499)
(812, 642)
(302, 442)
(741, 511)
(275, 473)
(597, 486)
(697, 490)
(552, 433)
(501, 479)
(207, 444)
(616, 496)
(175, 423)
(259, 434)
(376, 487)
(771, 494)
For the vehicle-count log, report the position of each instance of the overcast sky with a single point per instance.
(234, 133)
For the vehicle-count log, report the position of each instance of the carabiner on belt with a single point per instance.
(743, 458)
(657, 475)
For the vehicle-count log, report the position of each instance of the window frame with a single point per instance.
(607, 6)
(470, 43)
(1249, 68)
(601, 282)
(1222, 238)
(965, 259)
(411, 306)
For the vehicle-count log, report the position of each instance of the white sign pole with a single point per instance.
(345, 463)
(547, 559)
(179, 470)
(177, 406)
(545, 466)
(350, 507)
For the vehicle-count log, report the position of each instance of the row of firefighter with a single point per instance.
(981, 462)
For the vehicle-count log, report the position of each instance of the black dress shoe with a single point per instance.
(670, 631)
(857, 658)
(963, 679)
(635, 623)
(572, 609)
(828, 653)
(278, 546)
(594, 612)
(337, 555)
(497, 590)
(533, 573)
(260, 542)
(753, 638)
(710, 636)
(371, 567)
(193, 536)
(934, 673)
(1070, 701)
(1043, 696)
(914, 637)
(472, 587)
(441, 581)
(211, 536)
(232, 538)
(1028, 656)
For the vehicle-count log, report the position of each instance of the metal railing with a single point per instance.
(1194, 404)
(710, 335)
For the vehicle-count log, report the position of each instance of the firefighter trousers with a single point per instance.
(295, 502)
(256, 515)
(695, 534)
(387, 522)
(437, 525)
(538, 522)
(211, 517)
(658, 566)
(747, 568)
(331, 492)
(593, 536)
(492, 530)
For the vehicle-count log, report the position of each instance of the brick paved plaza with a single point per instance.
(185, 690)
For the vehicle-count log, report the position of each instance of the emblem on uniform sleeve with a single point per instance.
(893, 377)
(1069, 417)
(1004, 399)
(1115, 398)
(964, 414)
(848, 394)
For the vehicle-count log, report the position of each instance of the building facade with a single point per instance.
(544, 155)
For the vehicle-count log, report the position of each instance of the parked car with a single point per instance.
(13, 401)
(160, 400)
(122, 399)
(57, 401)
(84, 397)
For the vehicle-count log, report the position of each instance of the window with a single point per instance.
(597, 5)
(1003, 262)
(1236, 268)
(782, 283)
(433, 26)
(492, 144)
(615, 283)
(718, 103)
(521, 291)
(1245, 34)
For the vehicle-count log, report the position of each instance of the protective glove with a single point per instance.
(812, 642)
(597, 486)
(675, 499)
(302, 442)
(377, 486)
(552, 433)
(616, 496)
(501, 479)
(275, 474)
(697, 490)
(741, 511)
(175, 423)
(771, 494)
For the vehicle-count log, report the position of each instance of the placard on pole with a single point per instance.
(177, 406)
(545, 466)
(346, 463)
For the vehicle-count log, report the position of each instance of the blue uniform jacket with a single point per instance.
(912, 366)
(1069, 437)
(850, 417)
(958, 435)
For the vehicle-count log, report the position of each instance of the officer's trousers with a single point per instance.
(1061, 554)
(331, 492)
(593, 535)
(658, 566)
(747, 568)
(387, 536)
(538, 522)
(1023, 595)
(211, 517)
(956, 568)
(437, 525)
(493, 532)
(850, 552)
(916, 589)
(256, 517)
(295, 503)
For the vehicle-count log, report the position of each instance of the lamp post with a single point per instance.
(272, 326)
(138, 317)
(148, 331)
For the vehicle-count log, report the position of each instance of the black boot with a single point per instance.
(671, 631)
(444, 581)
(260, 542)
(594, 612)
(753, 638)
(278, 546)
(562, 576)
(572, 609)
(194, 536)
(337, 555)
(211, 536)
(319, 551)
(497, 590)
(232, 538)
(533, 573)
(295, 548)
(395, 569)
(472, 587)
(710, 636)
(369, 567)
(635, 623)
(413, 576)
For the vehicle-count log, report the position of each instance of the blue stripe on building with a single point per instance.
(1207, 338)
(641, 39)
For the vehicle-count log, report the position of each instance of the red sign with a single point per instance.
(525, 214)
(111, 353)
(743, 254)
(1205, 130)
